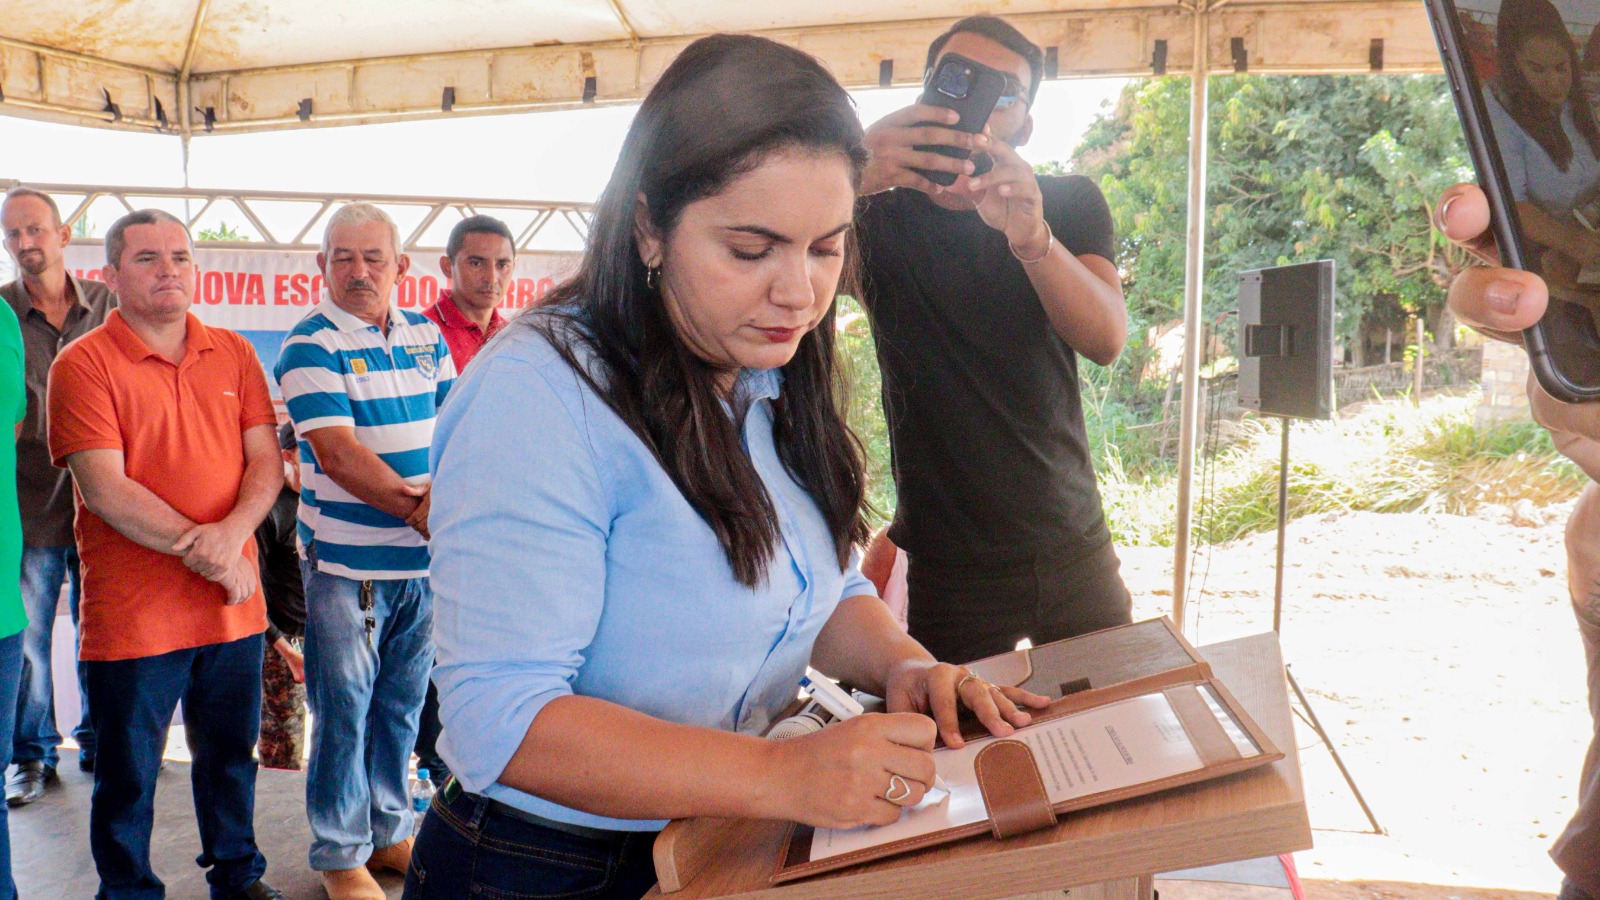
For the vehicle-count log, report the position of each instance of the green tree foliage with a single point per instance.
(863, 394)
(223, 232)
(1301, 168)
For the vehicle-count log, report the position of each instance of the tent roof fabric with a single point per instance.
(237, 65)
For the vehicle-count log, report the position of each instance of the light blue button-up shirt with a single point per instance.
(565, 561)
(1532, 174)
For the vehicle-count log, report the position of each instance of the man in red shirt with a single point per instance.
(478, 260)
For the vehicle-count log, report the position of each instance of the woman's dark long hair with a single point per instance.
(1520, 22)
(725, 105)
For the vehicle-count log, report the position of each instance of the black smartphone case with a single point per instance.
(975, 110)
(1553, 337)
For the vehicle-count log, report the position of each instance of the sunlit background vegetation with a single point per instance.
(1301, 168)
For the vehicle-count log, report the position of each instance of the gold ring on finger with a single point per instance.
(966, 678)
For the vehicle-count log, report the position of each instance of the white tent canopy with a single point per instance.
(192, 67)
(198, 66)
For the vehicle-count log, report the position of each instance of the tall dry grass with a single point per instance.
(1386, 457)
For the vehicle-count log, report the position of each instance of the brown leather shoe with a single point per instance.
(396, 857)
(351, 884)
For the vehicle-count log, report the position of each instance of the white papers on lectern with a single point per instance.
(1126, 743)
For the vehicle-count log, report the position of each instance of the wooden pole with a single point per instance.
(1416, 367)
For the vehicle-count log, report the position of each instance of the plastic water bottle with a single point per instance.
(422, 791)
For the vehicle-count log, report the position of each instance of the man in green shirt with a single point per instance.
(14, 405)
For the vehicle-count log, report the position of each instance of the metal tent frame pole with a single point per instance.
(1193, 303)
(300, 224)
(1189, 419)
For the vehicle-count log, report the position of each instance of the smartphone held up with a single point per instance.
(970, 88)
(1525, 75)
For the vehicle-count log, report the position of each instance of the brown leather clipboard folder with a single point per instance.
(1094, 671)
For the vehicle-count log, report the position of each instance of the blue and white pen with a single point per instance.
(833, 698)
(841, 705)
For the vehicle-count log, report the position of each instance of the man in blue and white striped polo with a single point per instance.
(363, 380)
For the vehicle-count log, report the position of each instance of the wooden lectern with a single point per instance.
(1115, 849)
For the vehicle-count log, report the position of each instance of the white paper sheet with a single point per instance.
(1241, 740)
(1125, 743)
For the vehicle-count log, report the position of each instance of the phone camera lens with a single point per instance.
(954, 81)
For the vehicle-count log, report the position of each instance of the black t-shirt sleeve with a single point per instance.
(1078, 215)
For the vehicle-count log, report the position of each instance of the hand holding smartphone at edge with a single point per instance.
(1563, 343)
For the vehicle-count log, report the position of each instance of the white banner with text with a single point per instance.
(262, 293)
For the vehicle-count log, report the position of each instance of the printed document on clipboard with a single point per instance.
(1141, 713)
(1127, 743)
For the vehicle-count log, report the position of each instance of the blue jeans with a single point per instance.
(44, 569)
(365, 693)
(10, 673)
(220, 685)
(468, 849)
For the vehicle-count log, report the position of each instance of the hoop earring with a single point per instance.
(652, 274)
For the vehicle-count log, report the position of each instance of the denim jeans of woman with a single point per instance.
(469, 849)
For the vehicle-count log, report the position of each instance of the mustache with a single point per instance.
(360, 284)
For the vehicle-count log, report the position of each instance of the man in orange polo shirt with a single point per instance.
(167, 427)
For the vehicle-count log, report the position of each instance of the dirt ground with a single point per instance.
(1440, 653)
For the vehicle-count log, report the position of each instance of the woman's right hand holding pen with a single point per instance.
(844, 775)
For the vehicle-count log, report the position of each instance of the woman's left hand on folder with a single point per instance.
(935, 689)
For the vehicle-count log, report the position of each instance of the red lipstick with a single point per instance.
(780, 335)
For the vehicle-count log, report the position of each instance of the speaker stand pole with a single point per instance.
(1283, 522)
(1277, 625)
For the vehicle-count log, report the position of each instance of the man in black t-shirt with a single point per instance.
(982, 296)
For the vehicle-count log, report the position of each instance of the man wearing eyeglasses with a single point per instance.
(982, 296)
